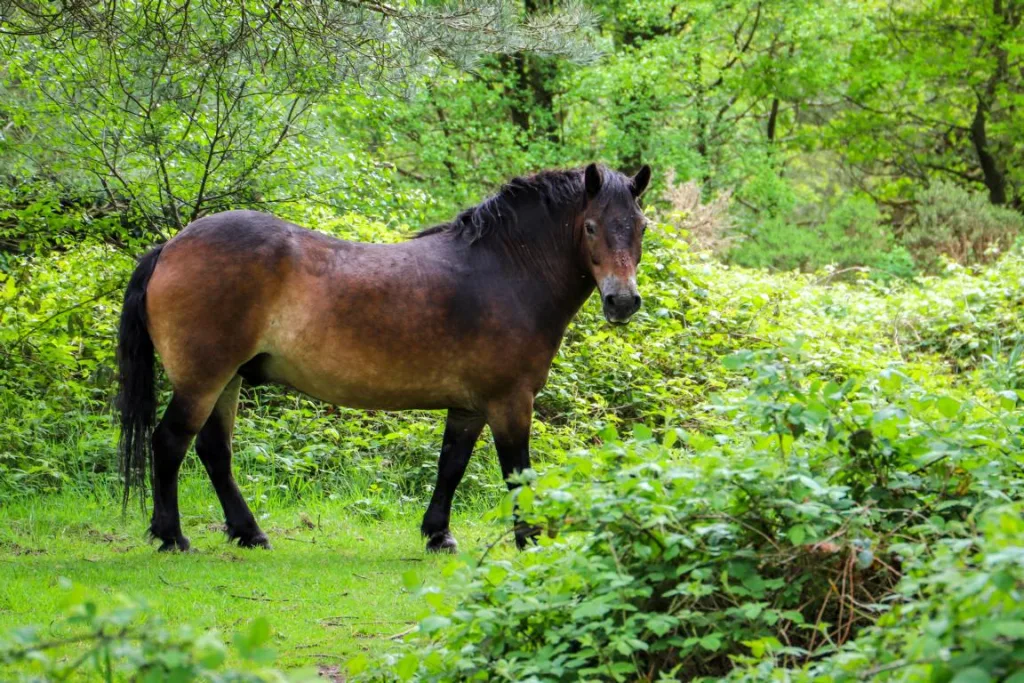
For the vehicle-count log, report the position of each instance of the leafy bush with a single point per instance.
(958, 615)
(851, 234)
(129, 643)
(960, 225)
(772, 542)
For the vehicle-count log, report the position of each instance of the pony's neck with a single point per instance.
(543, 256)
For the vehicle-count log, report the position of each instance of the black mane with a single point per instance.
(498, 214)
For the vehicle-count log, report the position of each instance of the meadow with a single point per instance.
(809, 456)
(800, 462)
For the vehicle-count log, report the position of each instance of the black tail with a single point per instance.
(137, 398)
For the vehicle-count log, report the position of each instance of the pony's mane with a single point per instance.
(498, 214)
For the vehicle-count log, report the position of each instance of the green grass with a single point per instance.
(332, 586)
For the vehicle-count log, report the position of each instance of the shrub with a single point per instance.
(960, 225)
(768, 544)
(705, 225)
(958, 616)
(851, 234)
(129, 643)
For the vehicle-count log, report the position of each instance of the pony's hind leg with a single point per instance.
(213, 445)
(171, 440)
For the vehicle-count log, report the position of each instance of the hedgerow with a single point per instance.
(823, 504)
(816, 471)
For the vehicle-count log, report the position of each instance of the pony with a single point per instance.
(467, 317)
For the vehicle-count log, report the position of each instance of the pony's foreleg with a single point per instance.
(213, 445)
(461, 431)
(510, 423)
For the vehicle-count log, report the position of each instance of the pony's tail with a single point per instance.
(136, 400)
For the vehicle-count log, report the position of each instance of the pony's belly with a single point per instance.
(366, 386)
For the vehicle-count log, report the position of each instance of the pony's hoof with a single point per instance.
(527, 536)
(248, 535)
(180, 543)
(260, 540)
(442, 542)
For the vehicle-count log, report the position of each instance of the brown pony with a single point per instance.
(465, 317)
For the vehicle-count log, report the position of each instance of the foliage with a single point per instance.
(959, 225)
(850, 235)
(774, 540)
(958, 615)
(129, 643)
(160, 113)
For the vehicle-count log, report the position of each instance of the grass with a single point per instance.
(332, 587)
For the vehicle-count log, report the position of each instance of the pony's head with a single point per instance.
(613, 230)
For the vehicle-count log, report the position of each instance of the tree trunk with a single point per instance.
(773, 118)
(995, 181)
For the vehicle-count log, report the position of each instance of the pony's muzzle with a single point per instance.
(621, 300)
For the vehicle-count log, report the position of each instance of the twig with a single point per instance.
(27, 333)
(644, 529)
(496, 541)
(257, 598)
(829, 276)
(174, 585)
(404, 633)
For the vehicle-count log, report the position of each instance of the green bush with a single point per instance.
(954, 223)
(129, 643)
(851, 234)
(823, 504)
(958, 616)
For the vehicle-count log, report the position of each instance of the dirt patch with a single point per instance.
(331, 672)
(18, 550)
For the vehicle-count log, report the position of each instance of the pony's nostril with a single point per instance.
(609, 300)
(637, 301)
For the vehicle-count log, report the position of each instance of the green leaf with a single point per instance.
(1010, 629)
(524, 498)
(589, 610)
(406, 666)
(358, 664)
(411, 580)
(711, 642)
(972, 674)
(259, 631)
(642, 432)
(738, 360)
(433, 623)
(948, 407)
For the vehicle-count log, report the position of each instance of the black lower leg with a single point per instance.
(514, 455)
(213, 445)
(460, 434)
(170, 443)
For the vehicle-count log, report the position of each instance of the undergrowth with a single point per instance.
(822, 479)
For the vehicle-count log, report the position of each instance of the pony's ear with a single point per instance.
(639, 182)
(592, 180)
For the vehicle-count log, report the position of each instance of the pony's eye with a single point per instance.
(591, 227)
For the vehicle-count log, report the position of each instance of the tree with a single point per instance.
(936, 93)
(171, 110)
